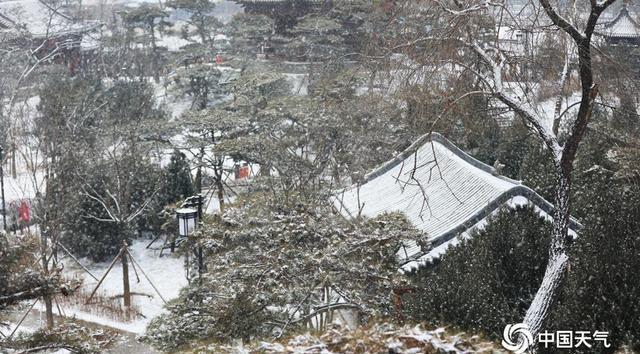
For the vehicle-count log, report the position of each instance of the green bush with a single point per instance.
(488, 280)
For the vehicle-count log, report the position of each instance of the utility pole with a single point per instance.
(4, 210)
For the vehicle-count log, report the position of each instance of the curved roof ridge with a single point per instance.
(624, 11)
(516, 191)
(439, 138)
(445, 204)
(608, 28)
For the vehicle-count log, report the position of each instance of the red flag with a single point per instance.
(24, 213)
(218, 59)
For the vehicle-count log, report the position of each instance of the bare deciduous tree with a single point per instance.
(489, 63)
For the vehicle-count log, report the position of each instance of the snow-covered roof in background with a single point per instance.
(441, 190)
(622, 26)
(40, 18)
(512, 41)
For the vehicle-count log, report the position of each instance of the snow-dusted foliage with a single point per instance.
(108, 123)
(269, 266)
(19, 279)
(65, 338)
(376, 338)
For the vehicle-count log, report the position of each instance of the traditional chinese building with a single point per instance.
(46, 29)
(622, 30)
(442, 191)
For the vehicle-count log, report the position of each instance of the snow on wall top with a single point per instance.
(440, 189)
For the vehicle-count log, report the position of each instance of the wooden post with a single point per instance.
(200, 261)
(104, 276)
(125, 277)
(133, 261)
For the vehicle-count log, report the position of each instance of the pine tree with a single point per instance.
(249, 33)
(201, 17)
(178, 178)
(150, 19)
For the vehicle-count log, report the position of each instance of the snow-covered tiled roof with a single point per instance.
(39, 18)
(622, 26)
(440, 189)
(6, 22)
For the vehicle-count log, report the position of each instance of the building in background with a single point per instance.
(47, 30)
(441, 190)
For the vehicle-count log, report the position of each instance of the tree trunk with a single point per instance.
(125, 281)
(48, 306)
(220, 188)
(154, 54)
(4, 209)
(14, 168)
(539, 308)
(198, 180)
(219, 172)
(48, 309)
(558, 258)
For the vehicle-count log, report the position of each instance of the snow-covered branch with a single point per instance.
(494, 78)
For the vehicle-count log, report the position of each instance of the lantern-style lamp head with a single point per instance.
(187, 220)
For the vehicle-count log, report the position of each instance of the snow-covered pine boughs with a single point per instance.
(268, 263)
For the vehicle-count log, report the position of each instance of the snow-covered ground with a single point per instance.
(299, 83)
(11, 327)
(24, 186)
(166, 273)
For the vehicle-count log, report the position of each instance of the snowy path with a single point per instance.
(126, 342)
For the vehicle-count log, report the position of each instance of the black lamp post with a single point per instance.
(4, 209)
(191, 213)
(187, 220)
